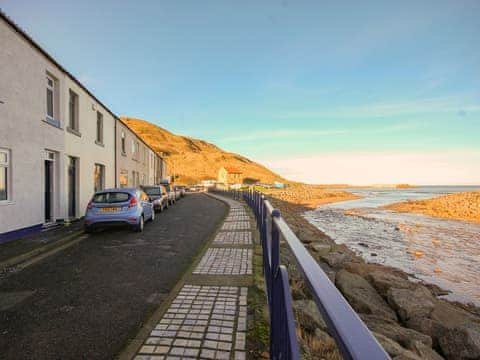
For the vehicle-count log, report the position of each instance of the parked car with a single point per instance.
(181, 190)
(119, 206)
(158, 196)
(170, 191)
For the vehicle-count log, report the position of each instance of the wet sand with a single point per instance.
(460, 206)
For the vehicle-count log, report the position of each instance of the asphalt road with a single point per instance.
(87, 301)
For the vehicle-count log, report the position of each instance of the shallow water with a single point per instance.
(442, 252)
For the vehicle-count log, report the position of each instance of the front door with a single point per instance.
(48, 190)
(72, 187)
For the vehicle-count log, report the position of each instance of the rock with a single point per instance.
(308, 315)
(394, 331)
(428, 327)
(360, 268)
(373, 254)
(335, 259)
(363, 244)
(411, 303)
(461, 342)
(452, 316)
(321, 249)
(425, 352)
(329, 271)
(391, 347)
(362, 296)
(383, 280)
(454, 331)
(407, 355)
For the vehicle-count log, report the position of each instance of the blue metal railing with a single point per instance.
(353, 338)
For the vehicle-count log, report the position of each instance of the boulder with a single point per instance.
(411, 303)
(335, 259)
(319, 248)
(407, 355)
(452, 316)
(328, 271)
(428, 327)
(425, 352)
(461, 342)
(391, 347)
(362, 296)
(455, 331)
(383, 281)
(405, 337)
(308, 315)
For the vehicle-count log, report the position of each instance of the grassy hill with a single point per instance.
(194, 160)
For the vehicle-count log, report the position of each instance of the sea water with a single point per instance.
(438, 251)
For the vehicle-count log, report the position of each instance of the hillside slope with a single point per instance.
(194, 160)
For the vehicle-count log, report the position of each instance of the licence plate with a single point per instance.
(109, 209)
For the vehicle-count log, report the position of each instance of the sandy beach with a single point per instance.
(460, 206)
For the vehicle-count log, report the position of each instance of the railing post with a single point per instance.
(274, 255)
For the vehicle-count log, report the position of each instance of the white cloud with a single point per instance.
(294, 133)
(437, 105)
(449, 167)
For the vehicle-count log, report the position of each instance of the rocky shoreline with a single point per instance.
(407, 317)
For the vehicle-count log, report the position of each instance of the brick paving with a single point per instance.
(236, 225)
(233, 238)
(206, 321)
(225, 261)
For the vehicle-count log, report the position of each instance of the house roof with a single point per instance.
(232, 170)
(35, 45)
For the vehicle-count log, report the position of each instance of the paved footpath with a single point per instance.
(88, 301)
(207, 319)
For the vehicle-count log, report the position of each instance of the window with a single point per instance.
(99, 128)
(133, 178)
(73, 111)
(99, 177)
(4, 174)
(111, 197)
(51, 99)
(124, 151)
(137, 150)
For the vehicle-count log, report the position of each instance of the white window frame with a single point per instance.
(52, 119)
(73, 112)
(99, 130)
(6, 165)
(52, 89)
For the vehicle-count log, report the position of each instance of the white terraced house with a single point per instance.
(58, 142)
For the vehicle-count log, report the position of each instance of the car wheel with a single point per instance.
(141, 224)
(87, 229)
(153, 215)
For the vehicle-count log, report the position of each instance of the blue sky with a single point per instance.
(310, 88)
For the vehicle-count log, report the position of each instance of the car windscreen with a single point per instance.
(111, 197)
(152, 191)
